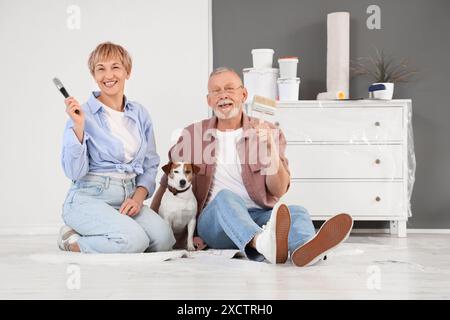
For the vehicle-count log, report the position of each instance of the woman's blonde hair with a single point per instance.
(109, 50)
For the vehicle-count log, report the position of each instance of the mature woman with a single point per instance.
(109, 154)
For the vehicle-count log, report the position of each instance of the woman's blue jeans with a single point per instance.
(92, 207)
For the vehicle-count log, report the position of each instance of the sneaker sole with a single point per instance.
(333, 232)
(283, 224)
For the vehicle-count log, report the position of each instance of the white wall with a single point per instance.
(169, 41)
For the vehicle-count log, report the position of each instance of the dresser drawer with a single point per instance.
(308, 124)
(355, 198)
(345, 161)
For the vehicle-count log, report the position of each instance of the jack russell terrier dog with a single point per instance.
(178, 204)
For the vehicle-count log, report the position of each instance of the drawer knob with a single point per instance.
(277, 124)
(377, 124)
(378, 199)
(378, 161)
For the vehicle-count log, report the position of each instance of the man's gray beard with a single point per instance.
(233, 113)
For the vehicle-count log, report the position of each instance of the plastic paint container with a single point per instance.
(262, 58)
(261, 82)
(288, 67)
(288, 89)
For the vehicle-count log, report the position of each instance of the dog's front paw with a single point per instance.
(191, 247)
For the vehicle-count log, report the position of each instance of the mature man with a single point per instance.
(243, 173)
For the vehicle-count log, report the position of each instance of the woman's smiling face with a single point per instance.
(110, 76)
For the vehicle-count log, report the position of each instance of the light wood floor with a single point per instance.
(365, 267)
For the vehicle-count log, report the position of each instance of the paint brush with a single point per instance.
(63, 90)
(263, 105)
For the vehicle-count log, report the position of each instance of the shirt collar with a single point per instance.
(247, 125)
(95, 104)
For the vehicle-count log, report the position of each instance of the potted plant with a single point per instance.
(385, 71)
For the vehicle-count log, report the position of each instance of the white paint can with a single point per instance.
(262, 58)
(288, 89)
(288, 67)
(261, 82)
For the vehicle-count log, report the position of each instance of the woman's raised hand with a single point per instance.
(72, 106)
(73, 109)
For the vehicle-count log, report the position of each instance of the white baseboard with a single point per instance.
(30, 230)
(370, 231)
(53, 229)
(415, 231)
(436, 231)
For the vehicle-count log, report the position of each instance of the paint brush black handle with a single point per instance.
(63, 90)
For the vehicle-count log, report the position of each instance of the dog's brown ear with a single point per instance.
(167, 168)
(195, 168)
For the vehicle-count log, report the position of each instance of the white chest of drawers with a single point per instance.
(350, 156)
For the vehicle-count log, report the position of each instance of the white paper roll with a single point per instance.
(338, 52)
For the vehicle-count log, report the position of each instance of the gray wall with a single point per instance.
(416, 29)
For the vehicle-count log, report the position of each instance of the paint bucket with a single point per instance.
(261, 82)
(262, 58)
(288, 67)
(288, 89)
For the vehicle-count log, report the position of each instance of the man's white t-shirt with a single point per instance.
(228, 173)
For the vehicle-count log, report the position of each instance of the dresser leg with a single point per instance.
(402, 229)
(398, 228)
(393, 227)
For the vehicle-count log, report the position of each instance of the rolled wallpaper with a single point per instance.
(338, 52)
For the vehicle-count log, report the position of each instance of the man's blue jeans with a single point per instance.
(226, 223)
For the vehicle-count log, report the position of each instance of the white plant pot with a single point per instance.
(385, 94)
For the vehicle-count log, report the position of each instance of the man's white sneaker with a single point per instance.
(333, 232)
(67, 236)
(272, 242)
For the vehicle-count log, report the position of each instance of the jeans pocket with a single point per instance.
(92, 189)
(69, 196)
(85, 189)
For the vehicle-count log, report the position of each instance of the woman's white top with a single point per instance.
(126, 131)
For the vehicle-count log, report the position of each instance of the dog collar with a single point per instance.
(176, 191)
